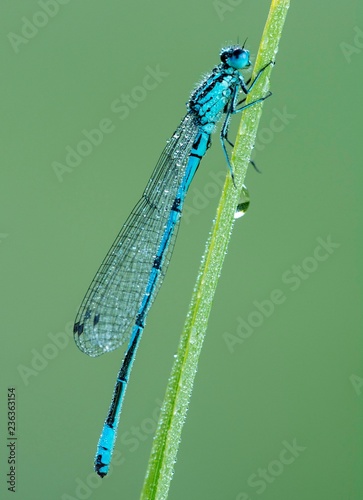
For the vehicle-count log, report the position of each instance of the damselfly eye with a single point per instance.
(239, 59)
(236, 57)
(238, 52)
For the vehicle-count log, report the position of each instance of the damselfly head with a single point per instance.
(236, 57)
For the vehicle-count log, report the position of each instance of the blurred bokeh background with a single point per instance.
(276, 411)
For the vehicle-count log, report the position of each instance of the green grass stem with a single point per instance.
(173, 413)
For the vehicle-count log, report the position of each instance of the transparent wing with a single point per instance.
(110, 306)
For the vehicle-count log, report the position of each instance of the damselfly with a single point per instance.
(116, 304)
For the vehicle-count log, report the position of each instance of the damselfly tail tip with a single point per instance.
(100, 465)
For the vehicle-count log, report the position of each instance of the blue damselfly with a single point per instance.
(115, 307)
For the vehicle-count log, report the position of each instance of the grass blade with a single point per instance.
(179, 388)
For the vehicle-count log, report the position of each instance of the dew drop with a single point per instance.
(243, 204)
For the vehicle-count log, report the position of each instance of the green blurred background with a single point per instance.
(297, 376)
